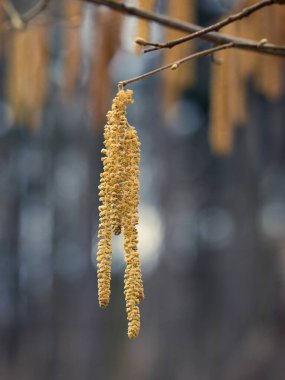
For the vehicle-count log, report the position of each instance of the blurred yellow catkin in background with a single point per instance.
(73, 14)
(107, 40)
(143, 29)
(175, 83)
(27, 74)
(27, 64)
(238, 68)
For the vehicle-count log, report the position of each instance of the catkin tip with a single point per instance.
(103, 303)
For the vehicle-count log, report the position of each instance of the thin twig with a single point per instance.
(216, 38)
(176, 64)
(18, 20)
(214, 27)
(35, 11)
(14, 16)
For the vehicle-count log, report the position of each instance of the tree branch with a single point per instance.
(216, 38)
(215, 27)
(176, 64)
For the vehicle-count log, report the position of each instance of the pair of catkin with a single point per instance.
(119, 194)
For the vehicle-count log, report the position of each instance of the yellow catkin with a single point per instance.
(239, 68)
(107, 29)
(133, 279)
(73, 14)
(174, 85)
(119, 194)
(110, 192)
(25, 73)
(228, 98)
(104, 252)
(269, 85)
(221, 131)
(2, 33)
(143, 25)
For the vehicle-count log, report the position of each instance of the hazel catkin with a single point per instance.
(104, 234)
(133, 280)
(119, 194)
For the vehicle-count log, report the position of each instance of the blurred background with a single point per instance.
(212, 213)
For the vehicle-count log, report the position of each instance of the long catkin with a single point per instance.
(104, 252)
(119, 194)
(133, 279)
